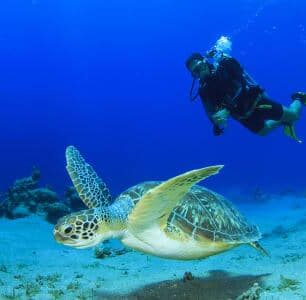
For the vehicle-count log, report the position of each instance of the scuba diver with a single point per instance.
(227, 90)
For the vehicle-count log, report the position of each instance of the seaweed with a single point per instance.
(73, 286)
(92, 266)
(22, 266)
(31, 289)
(291, 258)
(10, 296)
(287, 283)
(102, 252)
(3, 268)
(48, 280)
(79, 275)
(18, 277)
(85, 295)
(57, 294)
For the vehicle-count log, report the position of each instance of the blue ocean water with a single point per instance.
(109, 77)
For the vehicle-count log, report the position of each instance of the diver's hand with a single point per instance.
(220, 117)
(217, 131)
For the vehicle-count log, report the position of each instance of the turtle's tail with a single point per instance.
(259, 248)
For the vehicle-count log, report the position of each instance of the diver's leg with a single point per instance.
(269, 125)
(289, 116)
(292, 113)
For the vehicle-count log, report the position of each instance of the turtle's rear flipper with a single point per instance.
(259, 248)
(289, 130)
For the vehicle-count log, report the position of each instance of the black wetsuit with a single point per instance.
(230, 87)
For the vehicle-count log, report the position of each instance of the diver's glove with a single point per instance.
(217, 131)
(220, 117)
(219, 120)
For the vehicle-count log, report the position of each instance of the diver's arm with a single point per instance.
(241, 77)
(209, 109)
(232, 67)
(220, 117)
(217, 116)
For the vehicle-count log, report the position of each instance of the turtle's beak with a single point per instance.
(60, 238)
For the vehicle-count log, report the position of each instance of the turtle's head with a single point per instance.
(82, 229)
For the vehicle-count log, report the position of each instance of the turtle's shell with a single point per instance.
(202, 214)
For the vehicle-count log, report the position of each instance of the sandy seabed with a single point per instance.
(34, 266)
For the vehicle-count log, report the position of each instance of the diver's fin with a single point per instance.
(156, 205)
(289, 130)
(259, 248)
(299, 96)
(91, 189)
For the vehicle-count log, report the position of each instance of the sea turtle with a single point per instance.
(173, 219)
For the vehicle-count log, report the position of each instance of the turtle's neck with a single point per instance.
(117, 213)
(120, 209)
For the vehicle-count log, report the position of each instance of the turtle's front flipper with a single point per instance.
(156, 205)
(91, 189)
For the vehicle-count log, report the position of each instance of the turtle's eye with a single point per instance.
(68, 230)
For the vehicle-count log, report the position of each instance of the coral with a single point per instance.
(25, 197)
(251, 294)
(22, 266)
(103, 252)
(259, 195)
(35, 174)
(73, 200)
(54, 211)
(187, 276)
(2, 207)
